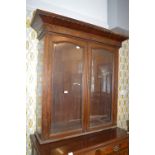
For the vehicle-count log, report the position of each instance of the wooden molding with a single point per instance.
(42, 18)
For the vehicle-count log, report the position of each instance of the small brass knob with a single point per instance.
(116, 148)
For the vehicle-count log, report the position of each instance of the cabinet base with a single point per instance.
(113, 140)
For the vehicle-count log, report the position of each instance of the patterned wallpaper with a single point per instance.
(31, 82)
(123, 86)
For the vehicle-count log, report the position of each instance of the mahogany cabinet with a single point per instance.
(113, 141)
(77, 78)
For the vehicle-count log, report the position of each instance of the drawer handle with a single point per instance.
(116, 148)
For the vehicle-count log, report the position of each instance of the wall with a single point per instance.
(118, 14)
(31, 80)
(112, 13)
(91, 11)
(123, 14)
(31, 71)
(123, 86)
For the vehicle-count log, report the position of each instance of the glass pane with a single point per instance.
(67, 87)
(101, 87)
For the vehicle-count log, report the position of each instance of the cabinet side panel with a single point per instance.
(39, 86)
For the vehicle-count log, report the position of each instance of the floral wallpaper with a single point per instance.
(31, 82)
(123, 86)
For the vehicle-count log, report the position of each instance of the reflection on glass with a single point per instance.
(67, 87)
(101, 87)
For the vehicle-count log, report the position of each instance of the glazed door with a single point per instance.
(68, 82)
(101, 79)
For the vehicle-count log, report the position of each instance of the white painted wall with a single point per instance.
(112, 13)
(123, 14)
(118, 14)
(91, 11)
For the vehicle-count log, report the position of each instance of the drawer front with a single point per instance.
(93, 152)
(124, 152)
(117, 148)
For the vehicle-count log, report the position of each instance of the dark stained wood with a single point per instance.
(46, 96)
(41, 17)
(106, 141)
(48, 119)
(68, 105)
(54, 29)
(115, 84)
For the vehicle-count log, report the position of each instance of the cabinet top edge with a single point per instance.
(41, 17)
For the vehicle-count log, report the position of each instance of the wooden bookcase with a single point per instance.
(77, 80)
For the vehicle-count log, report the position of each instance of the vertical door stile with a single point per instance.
(115, 85)
(52, 64)
(84, 118)
(46, 101)
(88, 85)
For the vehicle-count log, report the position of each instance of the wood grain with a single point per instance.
(67, 117)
